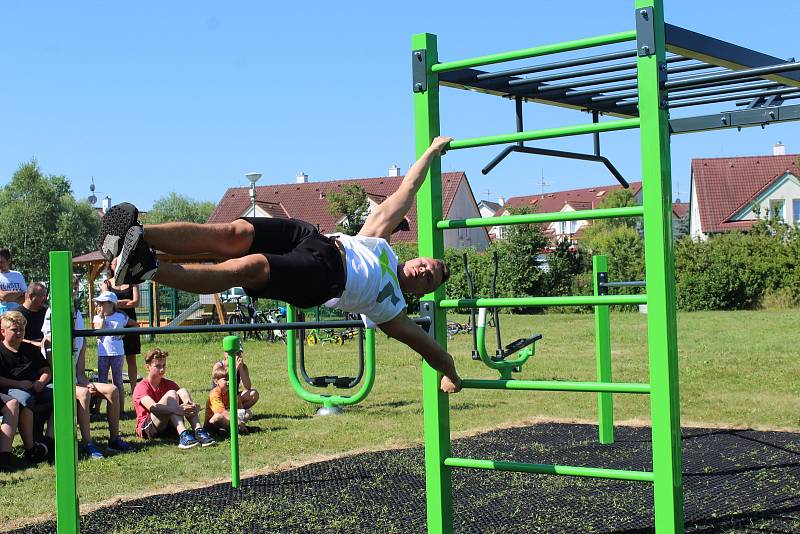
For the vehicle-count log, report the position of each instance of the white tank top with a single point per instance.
(372, 288)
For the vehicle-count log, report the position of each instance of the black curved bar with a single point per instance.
(558, 154)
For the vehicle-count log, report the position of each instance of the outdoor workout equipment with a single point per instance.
(332, 404)
(63, 333)
(520, 147)
(526, 346)
(602, 339)
(644, 103)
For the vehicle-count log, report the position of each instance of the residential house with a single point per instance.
(488, 208)
(561, 201)
(727, 193)
(307, 200)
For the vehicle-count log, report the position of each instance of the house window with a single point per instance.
(796, 209)
(776, 209)
(573, 225)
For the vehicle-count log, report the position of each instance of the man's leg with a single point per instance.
(26, 427)
(229, 240)
(250, 271)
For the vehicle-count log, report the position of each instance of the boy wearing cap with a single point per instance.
(110, 349)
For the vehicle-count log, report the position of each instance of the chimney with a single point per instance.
(394, 170)
(501, 201)
(302, 178)
(779, 149)
(106, 204)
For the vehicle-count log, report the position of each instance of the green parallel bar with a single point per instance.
(67, 508)
(547, 133)
(660, 268)
(533, 302)
(547, 469)
(536, 51)
(602, 345)
(231, 345)
(533, 218)
(435, 404)
(554, 385)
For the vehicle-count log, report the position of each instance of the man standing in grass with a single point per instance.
(162, 405)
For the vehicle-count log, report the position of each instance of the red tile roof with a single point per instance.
(680, 209)
(308, 201)
(578, 199)
(726, 185)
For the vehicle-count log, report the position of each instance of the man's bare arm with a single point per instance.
(12, 296)
(407, 331)
(391, 211)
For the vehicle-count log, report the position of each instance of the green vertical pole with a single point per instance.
(602, 344)
(67, 511)
(436, 406)
(659, 263)
(231, 345)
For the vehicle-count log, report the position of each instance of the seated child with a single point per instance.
(248, 396)
(218, 405)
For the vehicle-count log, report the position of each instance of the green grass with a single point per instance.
(737, 369)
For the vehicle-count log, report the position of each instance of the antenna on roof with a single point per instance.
(489, 194)
(542, 183)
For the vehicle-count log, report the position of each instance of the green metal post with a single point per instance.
(436, 405)
(602, 343)
(67, 511)
(231, 345)
(659, 263)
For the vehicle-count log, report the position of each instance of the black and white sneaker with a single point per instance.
(116, 223)
(137, 262)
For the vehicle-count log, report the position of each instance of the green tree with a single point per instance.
(177, 207)
(563, 263)
(352, 202)
(38, 214)
(520, 273)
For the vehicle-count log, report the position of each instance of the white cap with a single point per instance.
(106, 296)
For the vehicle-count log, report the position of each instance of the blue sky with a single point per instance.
(153, 97)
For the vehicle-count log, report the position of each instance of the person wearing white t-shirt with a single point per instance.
(12, 284)
(110, 349)
(289, 260)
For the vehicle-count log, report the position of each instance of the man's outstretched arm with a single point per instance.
(391, 211)
(407, 331)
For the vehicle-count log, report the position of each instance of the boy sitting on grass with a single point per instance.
(247, 397)
(161, 406)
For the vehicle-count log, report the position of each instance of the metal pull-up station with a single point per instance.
(629, 100)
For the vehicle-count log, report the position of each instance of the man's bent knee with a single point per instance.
(238, 238)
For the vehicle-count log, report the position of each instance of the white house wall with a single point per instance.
(463, 207)
(789, 191)
(695, 230)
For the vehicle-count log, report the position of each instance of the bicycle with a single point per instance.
(275, 316)
(238, 317)
(454, 328)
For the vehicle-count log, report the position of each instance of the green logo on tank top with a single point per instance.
(388, 290)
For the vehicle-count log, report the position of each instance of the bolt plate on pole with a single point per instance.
(419, 70)
(645, 32)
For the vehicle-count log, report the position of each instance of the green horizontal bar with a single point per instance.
(554, 385)
(532, 302)
(543, 50)
(547, 133)
(547, 469)
(532, 218)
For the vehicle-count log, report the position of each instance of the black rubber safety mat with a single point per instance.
(734, 481)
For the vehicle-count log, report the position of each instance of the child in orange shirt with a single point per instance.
(218, 404)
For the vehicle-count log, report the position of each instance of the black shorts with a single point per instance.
(305, 266)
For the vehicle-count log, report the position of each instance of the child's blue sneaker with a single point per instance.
(92, 451)
(120, 445)
(186, 440)
(203, 437)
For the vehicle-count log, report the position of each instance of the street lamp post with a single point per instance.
(253, 177)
